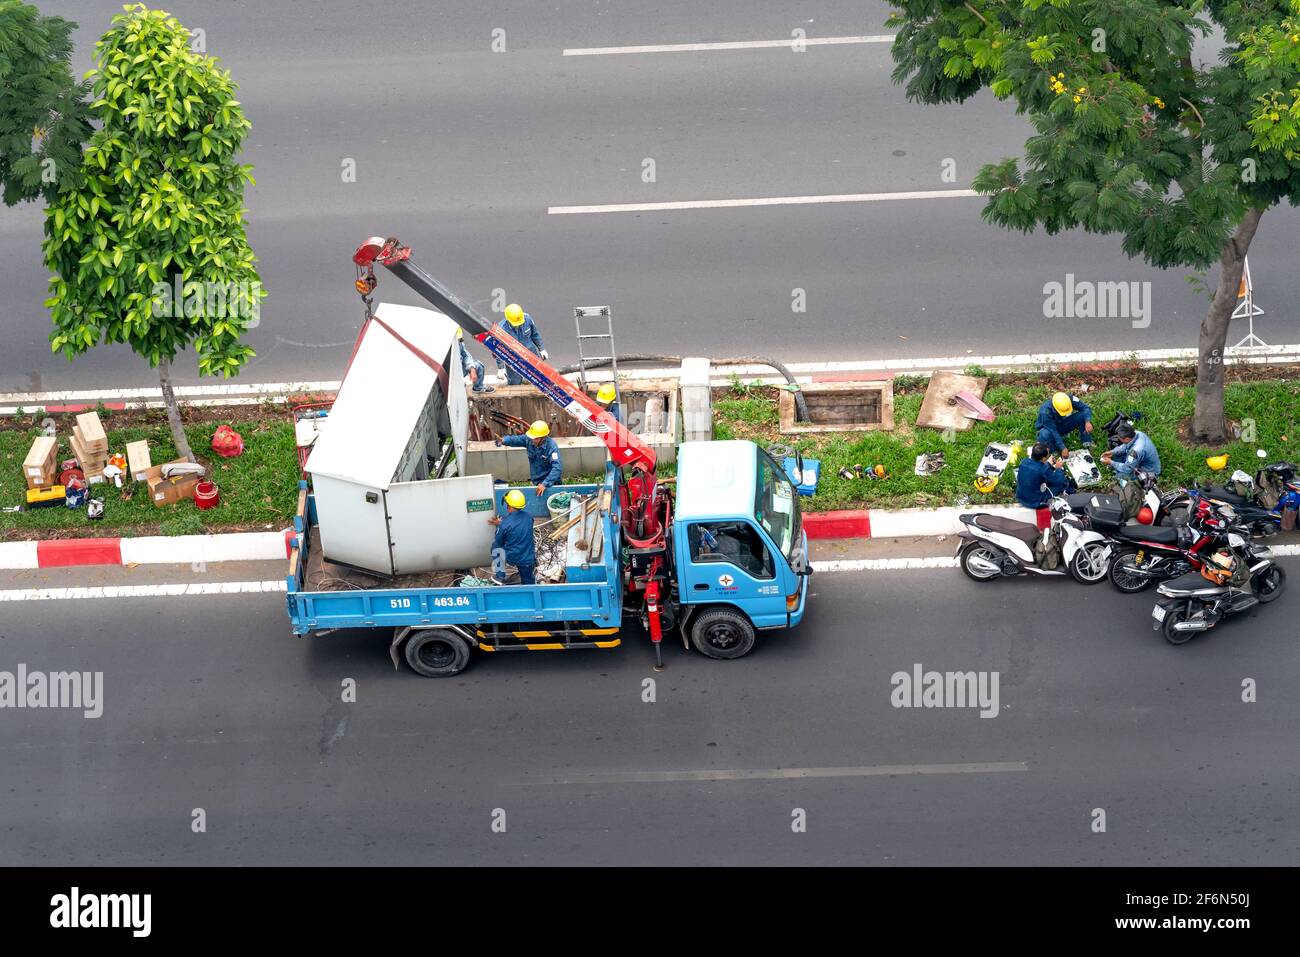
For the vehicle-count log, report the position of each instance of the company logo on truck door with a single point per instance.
(726, 581)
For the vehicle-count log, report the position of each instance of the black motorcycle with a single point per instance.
(1192, 603)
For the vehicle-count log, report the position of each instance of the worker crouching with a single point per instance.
(513, 543)
(1058, 417)
(471, 366)
(543, 454)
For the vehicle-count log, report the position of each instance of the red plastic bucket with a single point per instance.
(206, 494)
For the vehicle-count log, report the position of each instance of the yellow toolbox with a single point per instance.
(46, 497)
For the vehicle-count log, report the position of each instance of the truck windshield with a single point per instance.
(776, 506)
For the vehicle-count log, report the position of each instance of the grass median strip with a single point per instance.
(1268, 409)
(258, 488)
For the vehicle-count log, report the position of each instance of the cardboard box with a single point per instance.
(90, 462)
(41, 461)
(93, 437)
(137, 457)
(169, 491)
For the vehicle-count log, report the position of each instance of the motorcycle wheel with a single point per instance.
(975, 549)
(1128, 584)
(1269, 584)
(1177, 637)
(1089, 564)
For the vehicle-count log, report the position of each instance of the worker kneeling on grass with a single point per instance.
(1058, 417)
(607, 396)
(513, 543)
(543, 454)
(1038, 478)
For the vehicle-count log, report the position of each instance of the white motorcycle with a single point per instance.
(993, 546)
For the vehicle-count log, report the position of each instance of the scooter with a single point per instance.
(1191, 604)
(993, 546)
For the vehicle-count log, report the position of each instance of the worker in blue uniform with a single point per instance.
(513, 543)
(607, 395)
(1038, 478)
(543, 454)
(1058, 417)
(521, 326)
(471, 366)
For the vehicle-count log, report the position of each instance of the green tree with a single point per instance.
(43, 114)
(1131, 137)
(149, 249)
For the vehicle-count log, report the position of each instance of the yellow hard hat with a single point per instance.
(1217, 462)
(515, 498)
(1062, 404)
(606, 394)
(538, 430)
(460, 333)
(986, 483)
(515, 314)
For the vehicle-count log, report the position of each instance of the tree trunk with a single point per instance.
(1209, 427)
(173, 411)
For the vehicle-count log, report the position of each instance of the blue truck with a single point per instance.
(735, 565)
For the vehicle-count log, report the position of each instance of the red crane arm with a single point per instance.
(625, 449)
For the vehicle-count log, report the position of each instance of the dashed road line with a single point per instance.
(782, 774)
(764, 201)
(789, 43)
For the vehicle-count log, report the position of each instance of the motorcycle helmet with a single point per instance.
(1146, 516)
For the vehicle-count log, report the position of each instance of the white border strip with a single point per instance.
(15, 555)
(764, 201)
(266, 391)
(142, 591)
(188, 549)
(728, 45)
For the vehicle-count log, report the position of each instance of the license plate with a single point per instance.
(1158, 613)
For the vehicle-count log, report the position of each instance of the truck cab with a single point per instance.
(740, 551)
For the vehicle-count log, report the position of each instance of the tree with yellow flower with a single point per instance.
(1131, 136)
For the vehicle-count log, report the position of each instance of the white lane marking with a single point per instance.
(764, 201)
(727, 45)
(884, 564)
(778, 774)
(142, 591)
(803, 370)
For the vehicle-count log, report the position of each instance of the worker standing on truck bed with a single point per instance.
(543, 454)
(513, 543)
(472, 367)
(607, 396)
(520, 325)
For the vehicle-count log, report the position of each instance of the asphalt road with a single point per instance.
(210, 703)
(460, 151)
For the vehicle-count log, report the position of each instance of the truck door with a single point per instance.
(730, 562)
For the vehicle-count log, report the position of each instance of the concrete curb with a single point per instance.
(271, 546)
(902, 522)
(148, 550)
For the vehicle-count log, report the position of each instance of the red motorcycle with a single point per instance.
(1154, 553)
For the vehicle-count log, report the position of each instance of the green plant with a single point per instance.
(186, 523)
(149, 249)
(43, 114)
(972, 369)
(1180, 154)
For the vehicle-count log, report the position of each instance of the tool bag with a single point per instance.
(1270, 487)
(1047, 550)
(1131, 499)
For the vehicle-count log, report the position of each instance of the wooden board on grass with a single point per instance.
(939, 410)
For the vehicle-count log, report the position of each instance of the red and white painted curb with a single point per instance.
(271, 546)
(148, 550)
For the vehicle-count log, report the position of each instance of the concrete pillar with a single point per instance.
(697, 400)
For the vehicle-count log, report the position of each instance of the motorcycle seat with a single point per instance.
(1024, 531)
(1161, 534)
(1221, 494)
(1194, 581)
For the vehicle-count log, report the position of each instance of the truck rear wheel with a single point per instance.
(722, 633)
(436, 653)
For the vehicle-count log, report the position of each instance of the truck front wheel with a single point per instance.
(436, 653)
(722, 633)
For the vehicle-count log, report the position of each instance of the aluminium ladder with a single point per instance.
(584, 359)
